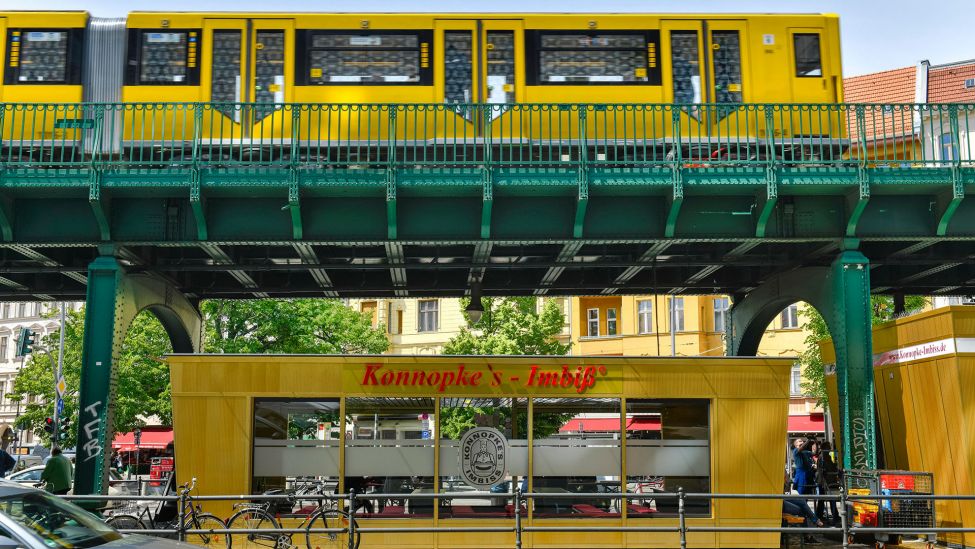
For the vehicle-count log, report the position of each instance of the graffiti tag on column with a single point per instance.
(92, 447)
(858, 450)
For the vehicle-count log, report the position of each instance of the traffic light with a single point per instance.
(25, 342)
(49, 425)
(64, 428)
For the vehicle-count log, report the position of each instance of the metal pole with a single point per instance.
(17, 427)
(181, 525)
(518, 518)
(56, 438)
(680, 516)
(844, 525)
(351, 527)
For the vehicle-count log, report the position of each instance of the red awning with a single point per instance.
(604, 424)
(152, 439)
(809, 423)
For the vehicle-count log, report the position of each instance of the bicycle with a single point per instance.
(256, 516)
(166, 518)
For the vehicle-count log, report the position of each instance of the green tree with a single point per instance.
(297, 326)
(509, 326)
(142, 380)
(811, 361)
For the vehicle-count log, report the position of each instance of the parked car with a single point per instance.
(33, 519)
(32, 476)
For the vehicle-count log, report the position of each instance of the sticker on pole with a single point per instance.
(483, 457)
(61, 387)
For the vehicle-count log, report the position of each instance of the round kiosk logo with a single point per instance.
(483, 457)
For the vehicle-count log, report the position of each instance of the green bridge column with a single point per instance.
(113, 301)
(841, 294)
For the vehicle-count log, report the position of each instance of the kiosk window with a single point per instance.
(808, 57)
(342, 58)
(163, 57)
(296, 439)
(597, 58)
(42, 56)
(576, 448)
(667, 446)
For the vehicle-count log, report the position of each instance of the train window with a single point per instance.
(225, 71)
(43, 56)
(727, 66)
(809, 61)
(621, 57)
(686, 66)
(365, 57)
(164, 57)
(458, 69)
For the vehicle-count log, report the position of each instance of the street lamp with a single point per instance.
(475, 309)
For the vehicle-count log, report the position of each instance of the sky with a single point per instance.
(877, 35)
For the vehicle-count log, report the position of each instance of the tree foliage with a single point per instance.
(142, 381)
(509, 326)
(813, 369)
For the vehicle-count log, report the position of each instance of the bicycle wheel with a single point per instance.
(254, 519)
(205, 521)
(330, 518)
(125, 522)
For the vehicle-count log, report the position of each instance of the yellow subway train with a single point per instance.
(284, 78)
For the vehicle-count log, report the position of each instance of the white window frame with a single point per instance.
(644, 317)
(721, 314)
(789, 317)
(676, 314)
(421, 326)
(611, 324)
(589, 322)
(795, 381)
(4, 343)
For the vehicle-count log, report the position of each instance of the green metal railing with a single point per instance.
(550, 136)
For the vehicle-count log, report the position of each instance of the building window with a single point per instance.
(677, 313)
(21, 310)
(429, 320)
(6, 310)
(295, 438)
(611, 322)
(720, 313)
(3, 349)
(645, 316)
(593, 322)
(790, 317)
(795, 387)
(809, 62)
(948, 151)
(368, 308)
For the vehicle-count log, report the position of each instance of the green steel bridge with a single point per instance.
(157, 206)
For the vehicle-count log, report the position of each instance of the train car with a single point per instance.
(310, 83)
(42, 56)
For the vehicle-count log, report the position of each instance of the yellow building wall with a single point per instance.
(926, 407)
(213, 414)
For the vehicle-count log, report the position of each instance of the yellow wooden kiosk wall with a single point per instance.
(924, 379)
(213, 398)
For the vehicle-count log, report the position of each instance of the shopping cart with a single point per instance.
(902, 514)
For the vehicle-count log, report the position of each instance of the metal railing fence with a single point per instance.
(112, 136)
(352, 530)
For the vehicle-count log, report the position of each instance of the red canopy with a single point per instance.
(152, 439)
(637, 423)
(807, 423)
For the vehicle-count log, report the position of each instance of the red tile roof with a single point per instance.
(893, 86)
(946, 84)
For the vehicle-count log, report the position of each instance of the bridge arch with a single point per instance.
(841, 294)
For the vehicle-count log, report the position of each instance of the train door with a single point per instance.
(809, 74)
(703, 63)
(481, 62)
(248, 61)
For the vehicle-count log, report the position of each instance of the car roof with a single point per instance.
(8, 488)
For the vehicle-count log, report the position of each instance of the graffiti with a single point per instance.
(858, 443)
(92, 446)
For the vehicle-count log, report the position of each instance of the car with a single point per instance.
(33, 519)
(32, 476)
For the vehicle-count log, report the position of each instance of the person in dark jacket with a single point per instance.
(803, 478)
(7, 462)
(827, 480)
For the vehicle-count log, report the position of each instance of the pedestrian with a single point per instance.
(57, 473)
(799, 508)
(7, 462)
(827, 481)
(803, 477)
